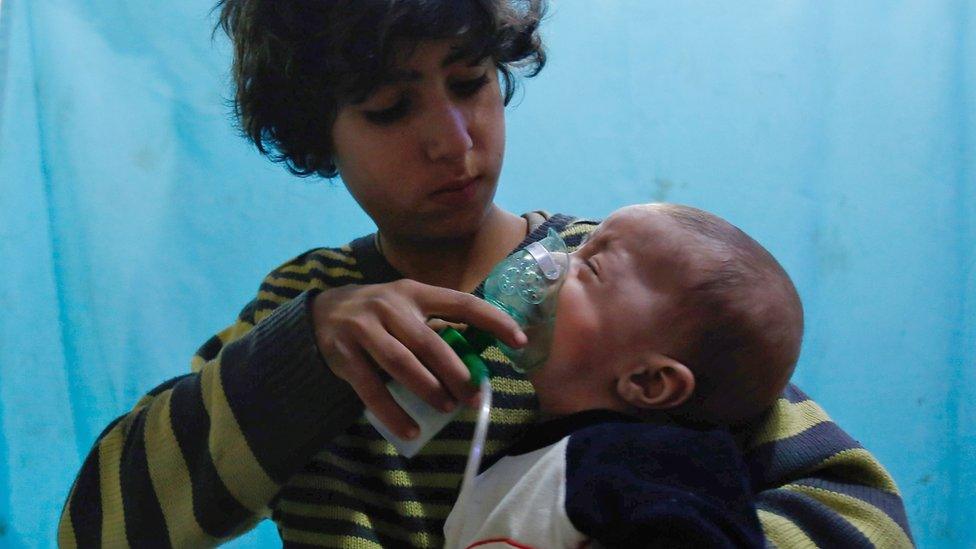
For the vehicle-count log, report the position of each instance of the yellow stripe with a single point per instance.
(144, 400)
(494, 354)
(407, 508)
(310, 262)
(459, 448)
(306, 270)
(505, 416)
(197, 363)
(334, 512)
(874, 523)
(327, 540)
(781, 532)
(314, 263)
(66, 530)
(391, 477)
(113, 517)
(577, 228)
(787, 419)
(235, 463)
(860, 467)
(171, 478)
(234, 331)
(337, 256)
(289, 283)
(285, 287)
(509, 385)
(272, 297)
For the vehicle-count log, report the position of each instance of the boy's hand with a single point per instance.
(362, 331)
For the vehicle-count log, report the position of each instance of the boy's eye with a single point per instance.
(590, 263)
(467, 88)
(390, 114)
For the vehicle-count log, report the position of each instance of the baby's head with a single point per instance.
(670, 312)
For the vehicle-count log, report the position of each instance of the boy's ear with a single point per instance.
(656, 382)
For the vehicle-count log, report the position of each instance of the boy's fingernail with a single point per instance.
(473, 401)
(448, 406)
(412, 433)
(521, 338)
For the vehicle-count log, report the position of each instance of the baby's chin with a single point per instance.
(553, 394)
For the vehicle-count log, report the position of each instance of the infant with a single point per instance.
(671, 325)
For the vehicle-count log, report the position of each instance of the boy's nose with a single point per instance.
(448, 136)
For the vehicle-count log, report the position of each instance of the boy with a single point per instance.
(669, 318)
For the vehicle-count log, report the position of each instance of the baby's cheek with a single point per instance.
(572, 329)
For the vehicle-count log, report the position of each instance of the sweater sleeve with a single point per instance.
(199, 459)
(819, 487)
(638, 485)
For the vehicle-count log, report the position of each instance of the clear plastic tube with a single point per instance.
(478, 439)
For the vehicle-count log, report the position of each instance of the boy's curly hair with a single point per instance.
(297, 61)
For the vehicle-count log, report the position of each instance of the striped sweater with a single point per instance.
(262, 428)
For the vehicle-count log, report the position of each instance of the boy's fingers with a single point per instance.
(461, 307)
(438, 324)
(437, 356)
(370, 388)
(392, 354)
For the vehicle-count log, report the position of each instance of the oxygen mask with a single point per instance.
(525, 286)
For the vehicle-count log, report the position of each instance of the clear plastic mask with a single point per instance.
(525, 285)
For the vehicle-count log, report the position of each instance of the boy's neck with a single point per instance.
(457, 264)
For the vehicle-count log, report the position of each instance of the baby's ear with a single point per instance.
(656, 382)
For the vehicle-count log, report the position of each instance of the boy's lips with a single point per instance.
(456, 184)
(457, 192)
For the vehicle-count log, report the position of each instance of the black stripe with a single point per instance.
(297, 277)
(780, 462)
(209, 350)
(318, 254)
(340, 528)
(325, 499)
(265, 305)
(286, 402)
(819, 522)
(167, 385)
(86, 499)
(145, 525)
(375, 268)
(455, 430)
(248, 313)
(315, 273)
(887, 502)
(354, 447)
(217, 511)
(284, 292)
(371, 480)
(794, 395)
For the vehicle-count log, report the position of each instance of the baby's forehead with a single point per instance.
(657, 241)
(630, 220)
(646, 227)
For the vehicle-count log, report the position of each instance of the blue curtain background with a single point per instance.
(134, 222)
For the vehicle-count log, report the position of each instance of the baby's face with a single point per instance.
(616, 301)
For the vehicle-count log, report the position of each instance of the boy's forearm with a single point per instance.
(817, 485)
(201, 456)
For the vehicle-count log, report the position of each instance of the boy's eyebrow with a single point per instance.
(457, 54)
(399, 75)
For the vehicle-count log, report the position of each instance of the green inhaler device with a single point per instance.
(525, 286)
(430, 419)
